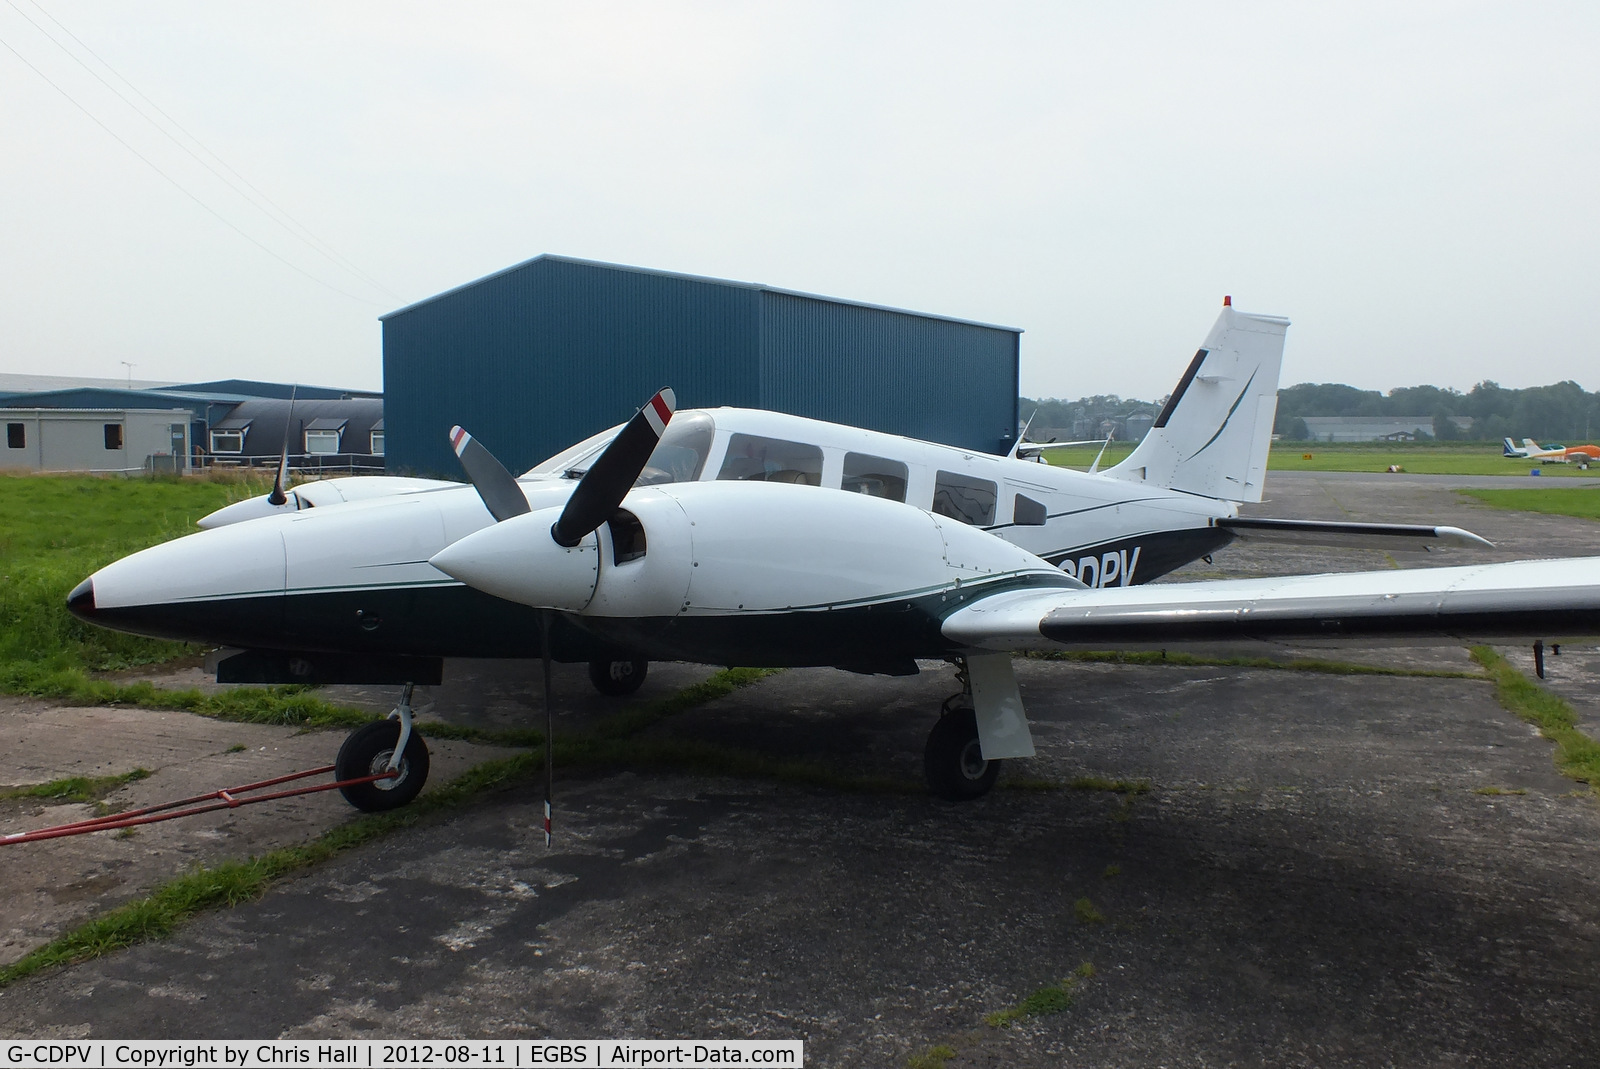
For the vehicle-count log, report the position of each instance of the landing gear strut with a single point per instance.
(617, 678)
(385, 746)
(952, 761)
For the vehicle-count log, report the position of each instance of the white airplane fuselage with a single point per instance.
(356, 579)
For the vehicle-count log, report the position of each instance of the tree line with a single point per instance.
(1562, 411)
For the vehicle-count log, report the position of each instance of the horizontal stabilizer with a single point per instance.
(1512, 600)
(1394, 537)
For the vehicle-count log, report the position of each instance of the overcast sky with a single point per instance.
(1415, 185)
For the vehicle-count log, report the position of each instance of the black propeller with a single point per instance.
(611, 476)
(494, 483)
(594, 500)
(280, 482)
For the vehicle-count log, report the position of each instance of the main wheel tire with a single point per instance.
(953, 761)
(366, 753)
(618, 678)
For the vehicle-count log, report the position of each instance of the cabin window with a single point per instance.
(964, 498)
(322, 443)
(754, 459)
(377, 443)
(874, 476)
(227, 441)
(16, 436)
(1026, 512)
(113, 436)
(681, 454)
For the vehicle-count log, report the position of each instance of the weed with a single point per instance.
(82, 789)
(1111, 872)
(932, 1058)
(1577, 755)
(1086, 912)
(1499, 790)
(1054, 998)
(1112, 786)
(237, 747)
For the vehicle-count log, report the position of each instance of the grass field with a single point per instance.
(55, 530)
(1580, 501)
(1420, 458)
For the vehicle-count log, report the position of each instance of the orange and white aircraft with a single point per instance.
(1582, 455)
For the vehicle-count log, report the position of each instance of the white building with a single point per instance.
(125, 440)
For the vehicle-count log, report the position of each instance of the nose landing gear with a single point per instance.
(384, 746)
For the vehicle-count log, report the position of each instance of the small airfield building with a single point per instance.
(127, 441)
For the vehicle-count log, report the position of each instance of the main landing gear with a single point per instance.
(952, 761)
(384, 746)
(618, 678)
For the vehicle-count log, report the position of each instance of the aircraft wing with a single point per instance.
(1395, 537)
(1518, 599)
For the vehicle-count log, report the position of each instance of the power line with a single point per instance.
(288, 222)
(178, 185)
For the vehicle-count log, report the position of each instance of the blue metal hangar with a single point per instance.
(541, 355)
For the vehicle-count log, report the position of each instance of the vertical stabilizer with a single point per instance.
(1212, 435)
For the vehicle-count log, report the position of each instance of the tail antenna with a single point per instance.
(280, 481)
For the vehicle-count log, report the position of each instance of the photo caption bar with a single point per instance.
(386, 1054)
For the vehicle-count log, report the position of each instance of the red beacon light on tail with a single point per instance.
(1227, 302)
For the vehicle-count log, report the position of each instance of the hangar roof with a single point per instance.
(762, 287)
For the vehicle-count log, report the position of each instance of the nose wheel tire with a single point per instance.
(367, 752)
(953, 761)
(618, 678)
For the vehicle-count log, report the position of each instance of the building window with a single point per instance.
(322, 443)
(113, 436)
(16, 436)
(965, 499)
(377, 443)
(227, 441)
(874, 476)
(773, 460)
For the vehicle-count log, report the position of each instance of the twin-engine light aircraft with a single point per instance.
(730, 536)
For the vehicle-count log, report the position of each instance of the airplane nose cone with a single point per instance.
(519, 561)
(81, 601)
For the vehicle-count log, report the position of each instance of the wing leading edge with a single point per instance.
(1517, 599)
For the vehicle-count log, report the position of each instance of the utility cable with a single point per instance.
(293, 227)
(178, 185)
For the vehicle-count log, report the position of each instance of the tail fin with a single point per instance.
(1212, 435)
(1511, 449)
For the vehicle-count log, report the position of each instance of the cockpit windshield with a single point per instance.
(679, 457)
(681, 454)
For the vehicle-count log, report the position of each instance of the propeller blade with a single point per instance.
(494, 483)
(612, 474)
(280, 481)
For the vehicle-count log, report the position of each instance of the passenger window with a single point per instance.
(772, 460)
(874, 476)
(963, 498)
(1026, 512)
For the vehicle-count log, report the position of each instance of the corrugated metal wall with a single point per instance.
(548, 352)
(935, 379)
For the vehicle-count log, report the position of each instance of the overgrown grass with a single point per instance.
(75, 788)
(1577, 755)
(55, 531)
(1299, 664)
(1580, 501)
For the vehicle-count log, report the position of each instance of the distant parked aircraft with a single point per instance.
(1581, 455)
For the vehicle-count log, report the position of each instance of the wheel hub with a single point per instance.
(380, 765)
